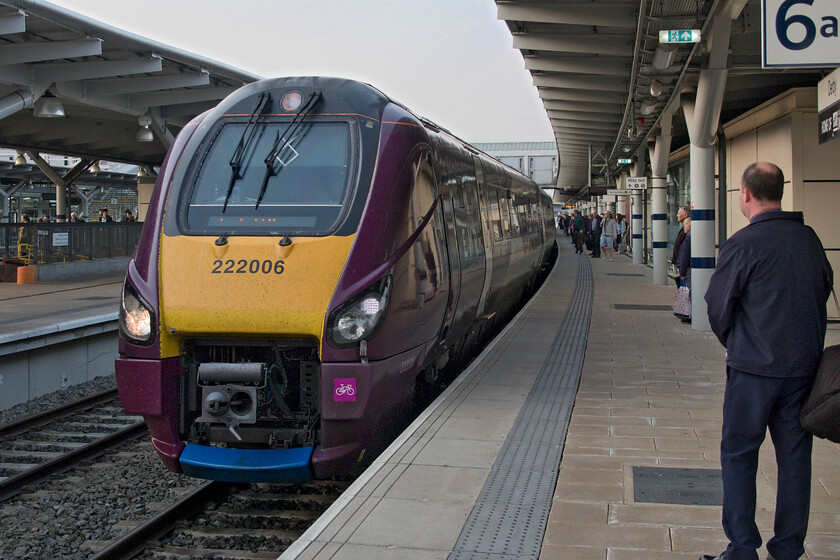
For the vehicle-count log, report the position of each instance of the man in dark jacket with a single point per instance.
(766, 303)
(593, 232)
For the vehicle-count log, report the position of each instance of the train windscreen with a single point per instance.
(272, 178)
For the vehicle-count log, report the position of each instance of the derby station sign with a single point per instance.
(828, 104)
(800, 33)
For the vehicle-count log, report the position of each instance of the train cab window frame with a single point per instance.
(214, 202)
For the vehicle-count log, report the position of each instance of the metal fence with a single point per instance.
(56, 242)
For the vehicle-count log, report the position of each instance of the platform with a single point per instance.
(56, 334)
(595, 380)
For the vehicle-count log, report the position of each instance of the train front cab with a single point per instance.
(290, 386)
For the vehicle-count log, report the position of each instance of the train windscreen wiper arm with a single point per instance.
(244, 143)
(281, 142)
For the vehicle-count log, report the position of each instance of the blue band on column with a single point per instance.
(659, 217)
(637, 236)
(702, 262)
(660, 244)
(708, 215)
(637, 216)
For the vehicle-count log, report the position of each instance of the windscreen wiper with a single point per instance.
(244, 143)
(281, 142)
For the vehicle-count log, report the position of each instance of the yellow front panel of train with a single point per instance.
(249, 286)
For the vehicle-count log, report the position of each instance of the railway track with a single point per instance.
(35, 448)
(225, 521)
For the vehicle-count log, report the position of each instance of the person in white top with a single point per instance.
(609, 229)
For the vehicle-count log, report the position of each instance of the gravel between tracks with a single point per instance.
(95, 502)
(57, 398)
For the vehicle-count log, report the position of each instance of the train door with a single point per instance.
(446, 194)
(470, 244)
(486, 236)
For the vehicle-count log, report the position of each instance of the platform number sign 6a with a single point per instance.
(800, 33)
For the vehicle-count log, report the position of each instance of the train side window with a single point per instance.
(514, 217)
(496, 215)
(505, 213)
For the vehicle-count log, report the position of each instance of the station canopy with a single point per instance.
(111, 85)
(605, 80)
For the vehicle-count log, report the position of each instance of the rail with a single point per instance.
(35, 243)
(15, 484)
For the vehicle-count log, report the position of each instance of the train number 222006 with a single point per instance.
(243, 266)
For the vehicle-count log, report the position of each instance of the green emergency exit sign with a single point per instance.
(624, 161)
(679, 36)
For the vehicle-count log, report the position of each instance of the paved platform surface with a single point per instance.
(650, 394)
(34, 308)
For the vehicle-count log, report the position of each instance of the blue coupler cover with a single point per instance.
(247, 465)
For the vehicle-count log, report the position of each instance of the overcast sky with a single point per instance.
(451, 61)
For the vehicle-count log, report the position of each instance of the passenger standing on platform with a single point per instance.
(128, 216)
(25, 219)
(766, 303)
(621, 226)
(104, 216)
(609, 231)
(684, 259)
(578, 231)
(75, 218)
(683, 213)
(594, 234)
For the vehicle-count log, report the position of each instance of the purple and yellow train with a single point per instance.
(314, 257)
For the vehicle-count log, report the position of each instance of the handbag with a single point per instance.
(820, 415)
(682, 302)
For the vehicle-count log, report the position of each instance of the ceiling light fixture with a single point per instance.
(48, 106)
(95, 168)
(647, 107)
(664, 56)
(20, 160)
(145, 133)
(656, 88)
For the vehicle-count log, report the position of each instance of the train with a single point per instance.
(315, 261)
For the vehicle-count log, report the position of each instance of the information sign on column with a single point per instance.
(635, 183)
(828, 105)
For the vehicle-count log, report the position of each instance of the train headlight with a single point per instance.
(136, 317)
(357, 319)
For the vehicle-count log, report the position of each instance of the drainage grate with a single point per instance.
(643, 307)
(691, 487)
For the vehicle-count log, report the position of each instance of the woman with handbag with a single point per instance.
(682, 301)
(684, 259)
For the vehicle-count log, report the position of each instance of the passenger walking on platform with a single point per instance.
(104, 216)
(766, 303)
(610, 230)
(128, 216)
(74, 217)
(683, 213)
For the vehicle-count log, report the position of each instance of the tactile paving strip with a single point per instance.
(509, 519)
